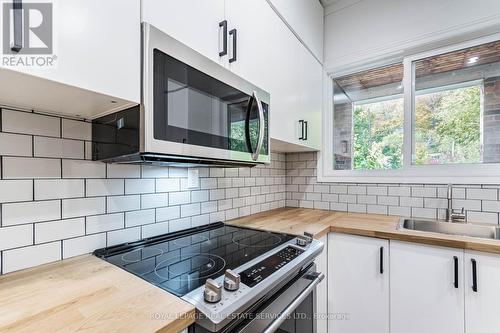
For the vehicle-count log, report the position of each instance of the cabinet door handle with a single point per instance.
(455, 271)
(233, 33)
(381, 260)
(305, 125)
(301, 122)
(17, 6)
(474, 275)
(223, 24)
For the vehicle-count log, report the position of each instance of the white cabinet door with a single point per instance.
(254, 22)
(311, 99)
(193, 22)
(322, 289)
(424, 297)
(97, 45)
(482, 302)
(306, 18)
(358, 293)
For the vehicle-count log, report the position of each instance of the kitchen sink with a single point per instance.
(449, 228)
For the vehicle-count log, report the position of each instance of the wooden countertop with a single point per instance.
(320, 222)
(87, 294)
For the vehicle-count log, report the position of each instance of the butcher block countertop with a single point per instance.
(320, 222)
(87, 294)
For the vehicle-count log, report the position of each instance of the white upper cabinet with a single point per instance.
(97, 65)
(254, 42)
(262, 49)
(306, 18)
(358, 284)
(192, 22)
(427, 293)
(482, 297)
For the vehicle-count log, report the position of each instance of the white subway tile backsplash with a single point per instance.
(168, 213)
(154, 200)
(83, 169)
(402, 191)
(46, 189)
(58, 148)
(491, 206)
(26, 167)
(123, 236)
(15, 144)
(139, 217)
(377, 209)
(17, 236)
(401, 211)
(152, 171)
(58, 230)
(154, 229)
(83, 207)
(423, 212)
(100, 223)
(482, 193)
(103, 187)
(168, 185)
(82, 245)
(29, 212)
(16, 190)
(117, 204)
(30, 256)
(138, 186)
(30, 123)
(123, 171)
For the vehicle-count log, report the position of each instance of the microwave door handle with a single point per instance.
(287, 312)
(260, 142)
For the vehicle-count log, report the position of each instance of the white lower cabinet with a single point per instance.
(322, 289)
(426, 296)
(358, 280)
(482, 298)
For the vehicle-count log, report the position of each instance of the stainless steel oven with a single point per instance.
(193, 110)
(291, 308)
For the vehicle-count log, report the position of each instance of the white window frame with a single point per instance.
(409, 173)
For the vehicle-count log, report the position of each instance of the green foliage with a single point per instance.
(378, 135)
(447, 130)
(448, 126)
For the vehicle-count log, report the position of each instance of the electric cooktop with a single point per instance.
(182, 261)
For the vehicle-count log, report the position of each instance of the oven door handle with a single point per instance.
(260, 142)
(292, 306)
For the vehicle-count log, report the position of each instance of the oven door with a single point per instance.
(291, 309)
(195, 107)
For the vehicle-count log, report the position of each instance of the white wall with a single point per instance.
(356, 30)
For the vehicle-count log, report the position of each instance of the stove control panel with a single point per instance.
(258, 272)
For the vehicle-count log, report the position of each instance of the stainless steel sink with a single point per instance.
(461, 229)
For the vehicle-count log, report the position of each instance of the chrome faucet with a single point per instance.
(451, 215)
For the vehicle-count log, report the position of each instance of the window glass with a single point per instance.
(368, 119)
(456, 114)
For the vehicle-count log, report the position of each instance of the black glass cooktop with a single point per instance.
(182, 261)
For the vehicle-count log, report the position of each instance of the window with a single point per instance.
(368, 119)
(430, 115)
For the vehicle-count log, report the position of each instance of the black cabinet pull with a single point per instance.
(305, 125)
(235, 42)
(381, 260)
(17, 6)
(223, 24)
(455, 271)
(301, 122)
(474, 275)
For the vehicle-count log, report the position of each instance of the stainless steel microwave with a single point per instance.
(193, 111)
